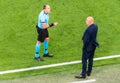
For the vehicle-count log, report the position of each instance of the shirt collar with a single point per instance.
(44, 12)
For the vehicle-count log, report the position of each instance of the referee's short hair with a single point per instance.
(44, 6)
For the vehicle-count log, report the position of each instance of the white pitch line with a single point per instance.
(54, 65)
(85, 81)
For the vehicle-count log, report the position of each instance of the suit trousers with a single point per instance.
(87, 57)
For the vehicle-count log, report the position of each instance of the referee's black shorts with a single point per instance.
(42, 34)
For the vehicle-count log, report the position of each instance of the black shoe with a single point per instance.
(39, 59)
(88, 74)
(80, 76)
(48, 55)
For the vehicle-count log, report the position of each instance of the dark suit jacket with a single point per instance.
(89, 38)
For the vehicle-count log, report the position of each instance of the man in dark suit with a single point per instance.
(90, 44)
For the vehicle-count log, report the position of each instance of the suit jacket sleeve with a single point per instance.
(86, 38)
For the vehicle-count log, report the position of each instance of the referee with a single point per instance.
(43, 35)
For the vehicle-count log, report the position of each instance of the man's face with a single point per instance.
(87, 21)
(47, 9)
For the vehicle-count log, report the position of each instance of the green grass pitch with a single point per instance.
(18, 34)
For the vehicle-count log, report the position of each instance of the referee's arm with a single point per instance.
(45, 26)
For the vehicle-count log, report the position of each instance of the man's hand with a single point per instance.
(55, 23)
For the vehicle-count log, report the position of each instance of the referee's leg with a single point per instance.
(38, 44)
(37, 50)
(46, 44)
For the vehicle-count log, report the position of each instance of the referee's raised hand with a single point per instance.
(55, 23)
